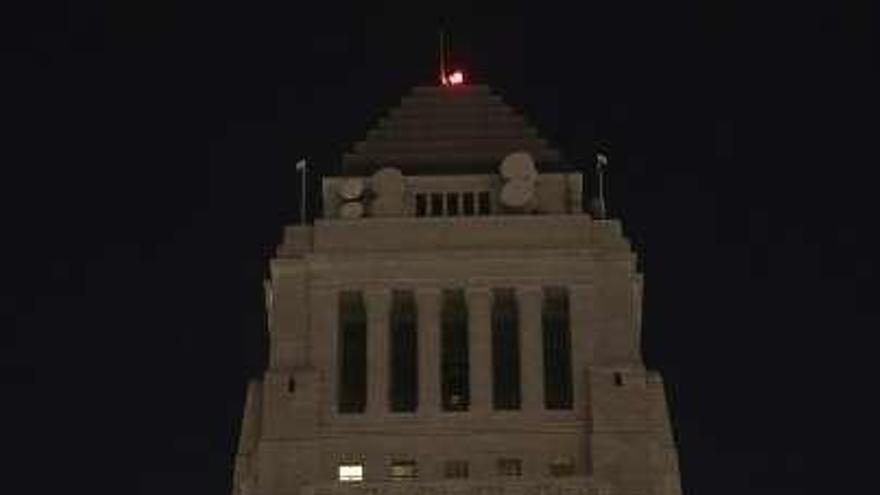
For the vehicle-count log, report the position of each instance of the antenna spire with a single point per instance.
(447, 77)
(442, 55)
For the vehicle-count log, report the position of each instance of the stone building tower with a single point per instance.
(455, 322)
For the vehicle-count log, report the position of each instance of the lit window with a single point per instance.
(403, 470)
(455, 469)
(349, 473)
(509, 467)
(561, 467)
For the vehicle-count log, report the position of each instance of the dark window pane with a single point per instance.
(557, 349)
(456, 469)
(404, 352)
(352, 355)
(455, 382)
(436, 204)
(421, 205)
(562, 467)
(468, 203)
(452, 204)
(505, 350)
(509, 467)
(485, 206)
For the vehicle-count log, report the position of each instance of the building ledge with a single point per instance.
(575, 485)
(411, 234)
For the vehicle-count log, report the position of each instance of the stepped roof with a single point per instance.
(442, 130)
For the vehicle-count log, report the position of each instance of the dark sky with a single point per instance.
(147, 170)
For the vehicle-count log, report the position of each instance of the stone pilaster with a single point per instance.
(428, 305)
(580, 302)
(324, 330)
(531, 346)
(479, 303)
(378, 306)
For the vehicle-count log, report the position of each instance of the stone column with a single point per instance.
(479, 306)
(531, 345)
(428, 306)
(324, 330)
(580, 301)
(378, 306)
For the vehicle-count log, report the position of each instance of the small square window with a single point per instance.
(484, 204)
(561, 467)
(456, 469)
(421, 205)
(403, 470)
(509, 467)
(467, 203)
(452, 204)
(350, 473)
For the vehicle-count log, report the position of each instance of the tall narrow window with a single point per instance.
(557, 349)
(404, 352)
(421, 205)
(505, 350)
(484, 203)
(467, 203)
(455, 384)
(452, 204)
(436, 204)
(352, 356)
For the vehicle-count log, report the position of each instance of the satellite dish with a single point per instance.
(518, 195)
(519, 166)
(351, 189)
(351, 210)
(388, 180)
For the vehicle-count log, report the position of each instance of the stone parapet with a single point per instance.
(442, 233)
(580, 485)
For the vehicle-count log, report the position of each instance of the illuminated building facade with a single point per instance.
(455, 322)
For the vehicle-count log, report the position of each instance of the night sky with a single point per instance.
(147, 171)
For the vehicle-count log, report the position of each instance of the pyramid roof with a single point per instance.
(443, 130)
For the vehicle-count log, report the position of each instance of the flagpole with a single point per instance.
(302, 200)
(601, 161)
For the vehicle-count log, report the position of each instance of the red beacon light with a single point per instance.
(455, 78)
